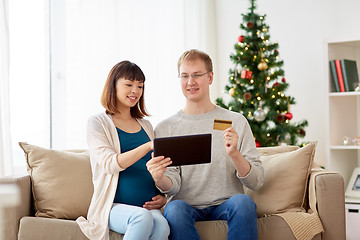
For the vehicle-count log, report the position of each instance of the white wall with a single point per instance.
(301, 29)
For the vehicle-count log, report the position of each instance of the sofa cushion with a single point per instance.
(263, 151)
(57, 229)
(285, 179)
(61, 181)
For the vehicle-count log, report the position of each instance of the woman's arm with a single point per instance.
(103, 150)
(128, 158)
(101, 146)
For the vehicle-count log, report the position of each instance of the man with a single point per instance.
(208, 191)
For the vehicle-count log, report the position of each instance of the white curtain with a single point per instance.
(90, 36)
(200, 32)
(6, 166)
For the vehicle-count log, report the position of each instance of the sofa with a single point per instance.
(58, 189)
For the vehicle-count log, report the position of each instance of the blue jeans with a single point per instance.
(138, 223)
(239, 211)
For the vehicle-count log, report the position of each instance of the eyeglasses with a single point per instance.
(194, 76)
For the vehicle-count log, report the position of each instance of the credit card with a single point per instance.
(221, 124)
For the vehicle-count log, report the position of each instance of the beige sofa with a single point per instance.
(324, 189)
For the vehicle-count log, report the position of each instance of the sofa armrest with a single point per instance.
(330, 202)
(12, 215)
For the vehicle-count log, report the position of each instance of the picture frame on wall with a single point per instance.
(353, 187)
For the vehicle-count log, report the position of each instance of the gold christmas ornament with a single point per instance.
(232, 92)
(262, 66)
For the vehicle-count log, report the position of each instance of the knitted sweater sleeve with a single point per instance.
(164, 130)
(246, 145)
(103, 144)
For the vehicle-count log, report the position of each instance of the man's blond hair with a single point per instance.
(194, 54)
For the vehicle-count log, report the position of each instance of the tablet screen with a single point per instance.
(184, 150)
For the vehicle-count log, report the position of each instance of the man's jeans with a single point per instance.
(239, 211)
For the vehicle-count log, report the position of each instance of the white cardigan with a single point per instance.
(104, 146)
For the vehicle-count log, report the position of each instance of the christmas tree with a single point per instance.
(257, 85)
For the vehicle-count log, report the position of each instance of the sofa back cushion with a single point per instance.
(266, 151)
(62, 185)
(286, 173)
(61, 181)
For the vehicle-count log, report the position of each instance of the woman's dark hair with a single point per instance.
(129, 71)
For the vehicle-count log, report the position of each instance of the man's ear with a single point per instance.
(211, 77)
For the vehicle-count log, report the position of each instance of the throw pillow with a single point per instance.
(275, 150)
(285, 180)
(61, 181)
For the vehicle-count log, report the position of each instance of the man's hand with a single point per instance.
(157, 202)
(157, 166)
(231, 139)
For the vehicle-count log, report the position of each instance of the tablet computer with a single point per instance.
(184, 150)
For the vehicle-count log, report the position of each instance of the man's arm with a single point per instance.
(231, 139)
(167, 180)
(250, 172)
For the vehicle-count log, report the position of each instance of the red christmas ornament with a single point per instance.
(250, 25)
(276, 84)
(257, 143)
(280, 118)
(246, 74)
(247, 96)
(283, 80)
(241, 38)
(302, 132)
(288, 116)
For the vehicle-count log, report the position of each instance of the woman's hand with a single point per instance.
(157, 202)
(231, 139)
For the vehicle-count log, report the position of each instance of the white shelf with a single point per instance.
(344, 94)
(343, 119)
(352, 200)
(343, 109)
(345, 147)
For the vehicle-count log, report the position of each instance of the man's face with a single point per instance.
(195, 80)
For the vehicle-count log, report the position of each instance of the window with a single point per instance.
(62, 51)
(90, 37)
(28, 76)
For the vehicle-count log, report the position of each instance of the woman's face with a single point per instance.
(128, 92)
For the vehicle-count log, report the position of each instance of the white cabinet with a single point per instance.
(343, 113)
(352, 221)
